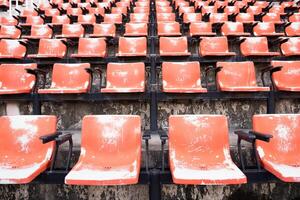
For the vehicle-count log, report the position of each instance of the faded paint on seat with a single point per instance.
(199, 151)
(125, 78)
(181, 77)
(23, 156)
(69, 78)
(280, 155)
(110, 151)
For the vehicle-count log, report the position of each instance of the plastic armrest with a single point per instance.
(50, 137)
(63, 138)
(243, 135)
(261, 136)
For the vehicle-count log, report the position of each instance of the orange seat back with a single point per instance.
(14, 76)
(263, 28)
(192, 17)
(105, 29)
(41, 31)
(115, 140)
(254, 45)
(94, 46)
(133, 45)
(60, 19)
(72, 30)
(232, 27)
(293, 29)
(236, 74)
(71, 76)
(171, 45)
(20, 139)
(10, 32)
(165, 17)
(213, 45)
(52, 47)
(288, 76)
(168, 27)
(244, 17)
(181, 75)
(136, 29)
(113, 18)
(126, 75)
(291, 47)
(191, 137)
(87, 19)
(12, 48)
(284, 147)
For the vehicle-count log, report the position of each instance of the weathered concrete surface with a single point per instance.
(70, 118)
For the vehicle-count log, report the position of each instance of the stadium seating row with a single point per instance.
(141, 29)
(137, 46)
(111, 152)
(177, 77)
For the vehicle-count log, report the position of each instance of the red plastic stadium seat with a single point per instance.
(263, 4)
(136, 29)
(199, 151)
(9, 32)
(214, 46)
(28, 12)
(168, 29)
(233, 29)
(192, 17)
(265, 29)
(106, 158)
(201, 29)
(123, 4)
(165, 17)
(74, 11)
(68, 78)
(91, 47)
(132, 46)
(162, 4)
(209, 9)
(255, 10)
(272, 17)
(279, 155)
(113, 19)
(15, 80)
(33, 20)
(23, 156)
(119, 10)
(86, 19)
(181, 77)
(71, 31)
(125, 78)
(295, 17)
(288, 78)
(229, 10)
(277, 9)
(142, 4)
(145, 10)
(245, 18)
(173, 46)
(8, 21)
(96, 11)
(39, 32)
(139, 18)
(256, 46)
(52, 12)
(167, 9)
(238, 77)
(104, 30)
(218, 17)
(60, 19)
(11, 49)
(187, 9)
(50, 48)
(293, 29)
(291, 47)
